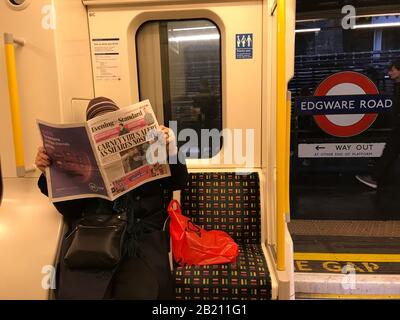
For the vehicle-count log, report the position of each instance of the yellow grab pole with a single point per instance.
(1, 184)
(281, 133)
(14, 103)
(288, 126)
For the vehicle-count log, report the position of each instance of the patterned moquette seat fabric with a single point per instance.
(228, 202)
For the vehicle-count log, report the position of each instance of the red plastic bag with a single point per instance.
(192, 245)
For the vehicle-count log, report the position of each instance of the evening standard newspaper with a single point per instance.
(104, 157)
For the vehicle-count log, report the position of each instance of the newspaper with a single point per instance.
(104, 157)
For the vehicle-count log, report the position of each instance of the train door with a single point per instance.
(346, 234)
(125, 55)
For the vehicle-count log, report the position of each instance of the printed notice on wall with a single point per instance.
(106, 59)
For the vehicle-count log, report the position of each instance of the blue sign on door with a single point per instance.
(244, 46)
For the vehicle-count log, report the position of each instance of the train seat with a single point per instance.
(229, 202)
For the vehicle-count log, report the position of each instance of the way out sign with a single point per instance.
(345, 104)
(341, 150)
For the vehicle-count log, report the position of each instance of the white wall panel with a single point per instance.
(241, 78)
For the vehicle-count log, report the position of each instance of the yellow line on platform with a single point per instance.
(350, 257)
(345, 296)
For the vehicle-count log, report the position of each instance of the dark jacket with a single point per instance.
(153, 263)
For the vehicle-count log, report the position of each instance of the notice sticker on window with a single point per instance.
(106, 59)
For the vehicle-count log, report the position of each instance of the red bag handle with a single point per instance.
(174, 206)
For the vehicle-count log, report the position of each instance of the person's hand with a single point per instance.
(42, 160)
(164, 134)
(169, 139)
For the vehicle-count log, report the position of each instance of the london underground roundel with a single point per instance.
(343, 84)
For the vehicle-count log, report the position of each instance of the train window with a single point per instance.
(323, 47)
(179, 70)
(18, 4)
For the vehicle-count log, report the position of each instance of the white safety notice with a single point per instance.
(106, 59)
(341, 150)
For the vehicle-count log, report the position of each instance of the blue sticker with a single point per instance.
(244, 46)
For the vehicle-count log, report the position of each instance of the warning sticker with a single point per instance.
(107, 64)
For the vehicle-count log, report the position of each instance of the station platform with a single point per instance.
(346, 259)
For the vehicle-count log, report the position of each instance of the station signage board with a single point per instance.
(340, 150)
(345, 104)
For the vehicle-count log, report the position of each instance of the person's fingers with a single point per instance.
(43, 156)
(165, 135)
(42, 151)
(38, 159)
(42, 163)
(42, 160)
(171, 136)
(162, 136)
(164, 129)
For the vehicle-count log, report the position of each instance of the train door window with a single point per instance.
(179, 71)
(324, 47)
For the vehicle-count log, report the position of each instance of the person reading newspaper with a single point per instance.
(144, 271)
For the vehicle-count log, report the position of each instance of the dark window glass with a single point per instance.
(187, 66)
(322, 48)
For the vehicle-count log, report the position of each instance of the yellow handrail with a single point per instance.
(1, 184)
(14, 104)
(287, 178)
(281, 133)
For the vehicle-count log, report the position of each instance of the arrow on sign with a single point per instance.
(318, 148)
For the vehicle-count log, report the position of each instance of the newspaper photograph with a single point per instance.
(104, 157)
